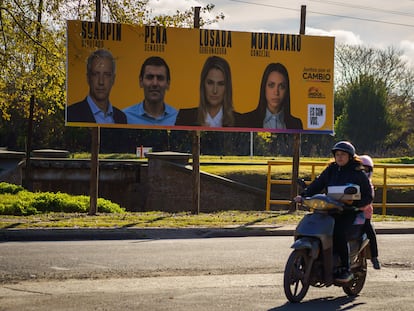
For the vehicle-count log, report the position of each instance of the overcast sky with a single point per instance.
(373, 23)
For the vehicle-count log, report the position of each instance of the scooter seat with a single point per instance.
(355, 232)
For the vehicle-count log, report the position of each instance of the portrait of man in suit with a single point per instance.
(96, 107)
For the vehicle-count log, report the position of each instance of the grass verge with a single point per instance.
(162, 220)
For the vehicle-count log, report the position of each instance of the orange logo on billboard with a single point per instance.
(315, 92)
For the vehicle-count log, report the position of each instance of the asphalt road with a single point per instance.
(242, 273)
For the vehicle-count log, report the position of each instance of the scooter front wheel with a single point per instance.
(294, 282)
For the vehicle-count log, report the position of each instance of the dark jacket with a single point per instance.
(189, 117)
(335, 175)
(81, 112)
(254, 119)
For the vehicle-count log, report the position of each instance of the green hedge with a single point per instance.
(14, 200)
(9, 188)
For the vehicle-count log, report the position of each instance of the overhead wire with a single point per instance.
(363, 7)
(327, 14)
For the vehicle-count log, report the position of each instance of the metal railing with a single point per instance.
(314, 164)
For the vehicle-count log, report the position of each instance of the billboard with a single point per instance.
(198, 79)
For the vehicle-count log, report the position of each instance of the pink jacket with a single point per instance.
(368, 210)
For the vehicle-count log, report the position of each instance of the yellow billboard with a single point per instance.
(130, 76)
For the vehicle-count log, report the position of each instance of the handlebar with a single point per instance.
(323, 203)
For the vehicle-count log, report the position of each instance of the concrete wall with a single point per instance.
(170, 186)
(119, 181)
(11, 163)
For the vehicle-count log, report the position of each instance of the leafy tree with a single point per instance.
(397, 81)
(351, 62)
(317, 145)
(364, 118)
(33, 56)
(30, 56)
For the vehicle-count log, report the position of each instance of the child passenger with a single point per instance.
(368, 210)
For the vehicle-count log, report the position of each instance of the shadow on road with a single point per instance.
(325, 303)
(73, 234)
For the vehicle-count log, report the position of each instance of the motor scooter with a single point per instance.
(313, 261)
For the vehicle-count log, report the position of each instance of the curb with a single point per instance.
(73, 234)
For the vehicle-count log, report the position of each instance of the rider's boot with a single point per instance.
(375, 263)
(344, 275)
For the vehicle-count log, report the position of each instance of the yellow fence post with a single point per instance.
(384, 192)
(268, 185)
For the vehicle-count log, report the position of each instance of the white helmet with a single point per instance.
(367, 160)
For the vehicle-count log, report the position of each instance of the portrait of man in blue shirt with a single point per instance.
(154, 79)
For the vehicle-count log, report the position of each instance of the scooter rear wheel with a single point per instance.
(357, 283)
(294, 282)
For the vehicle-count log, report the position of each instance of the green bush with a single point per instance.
(29, 203)
(11, 209)
(10, 188)
(57, 202)
(106, 206)
(16, 204)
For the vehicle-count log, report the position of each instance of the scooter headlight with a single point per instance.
(317, 204)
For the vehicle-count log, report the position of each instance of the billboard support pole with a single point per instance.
(196, 145)
(296, 136)
(28, 180)
(95, 142)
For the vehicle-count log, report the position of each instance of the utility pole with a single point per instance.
(296, 136)
(196, 145)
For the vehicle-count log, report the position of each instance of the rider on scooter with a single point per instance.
(346, 169)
